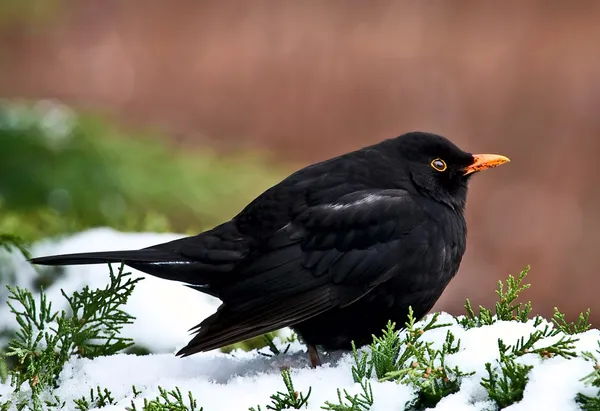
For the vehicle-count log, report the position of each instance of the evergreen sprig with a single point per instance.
(167, 401)
(507, 379)
(505, 384)
(9, 242)
(506, 309)
(98, 316)
(390, 353)
(406, 358)
(359, 402)
(55, 403)
(3, 369)
(363, 366)
(287, 400)
(581, 326)
(564, 347)
(47, 338)
(591, 403)
(99, 398)
(588, 403)
(424, 367)
(270, 344)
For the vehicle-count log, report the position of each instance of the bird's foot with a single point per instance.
(313, 356)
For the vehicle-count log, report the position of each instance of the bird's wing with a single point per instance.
(328, 256)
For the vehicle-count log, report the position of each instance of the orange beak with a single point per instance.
(485, 161)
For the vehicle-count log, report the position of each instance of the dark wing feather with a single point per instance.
(328, 256)
(233, 324)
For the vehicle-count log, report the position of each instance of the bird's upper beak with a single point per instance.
(484, 161)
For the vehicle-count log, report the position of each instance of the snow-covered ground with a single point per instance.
(230, 382)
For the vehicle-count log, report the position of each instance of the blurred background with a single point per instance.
(170, 116)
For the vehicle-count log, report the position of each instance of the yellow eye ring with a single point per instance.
(438, 164)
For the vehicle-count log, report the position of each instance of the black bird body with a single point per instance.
(333, 251)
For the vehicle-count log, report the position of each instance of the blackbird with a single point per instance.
(333, 251)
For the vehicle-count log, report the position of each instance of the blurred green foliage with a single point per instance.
(28, 11)
(61, 172)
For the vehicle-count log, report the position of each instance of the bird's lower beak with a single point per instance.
(484, 161)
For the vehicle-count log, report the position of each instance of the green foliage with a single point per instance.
(3, 369)
(98, 399)
(506, 308)
(388, 358)
(363, 366)
(358, 402)
(408, 359)
(55, 403)
(507, 379)
(97, 316)
(265, 340)
(47, 338)
(384, 351)
(10, 241)
(168, 401)
(270, 344)
(589, 403)
(415, 362)
(36, 224)
(362, 371)
(35, 141)
(30, 12)
(287, 400)
(261, 341)
(63, 172)
(581, 326)
(563, 347)
(507, 387)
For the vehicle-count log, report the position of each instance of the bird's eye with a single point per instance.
(439, 164)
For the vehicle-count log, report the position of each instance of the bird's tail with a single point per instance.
(202, 261)
(102, 257)
(158, 263)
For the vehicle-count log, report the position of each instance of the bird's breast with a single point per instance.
(426, 262)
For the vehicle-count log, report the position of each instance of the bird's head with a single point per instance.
(439, 169)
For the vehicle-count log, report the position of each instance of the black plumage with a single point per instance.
(333, 251)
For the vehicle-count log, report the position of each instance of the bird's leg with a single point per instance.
(313, 356)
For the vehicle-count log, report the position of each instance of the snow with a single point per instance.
(166, 310)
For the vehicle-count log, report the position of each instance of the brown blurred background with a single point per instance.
(305, 80)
